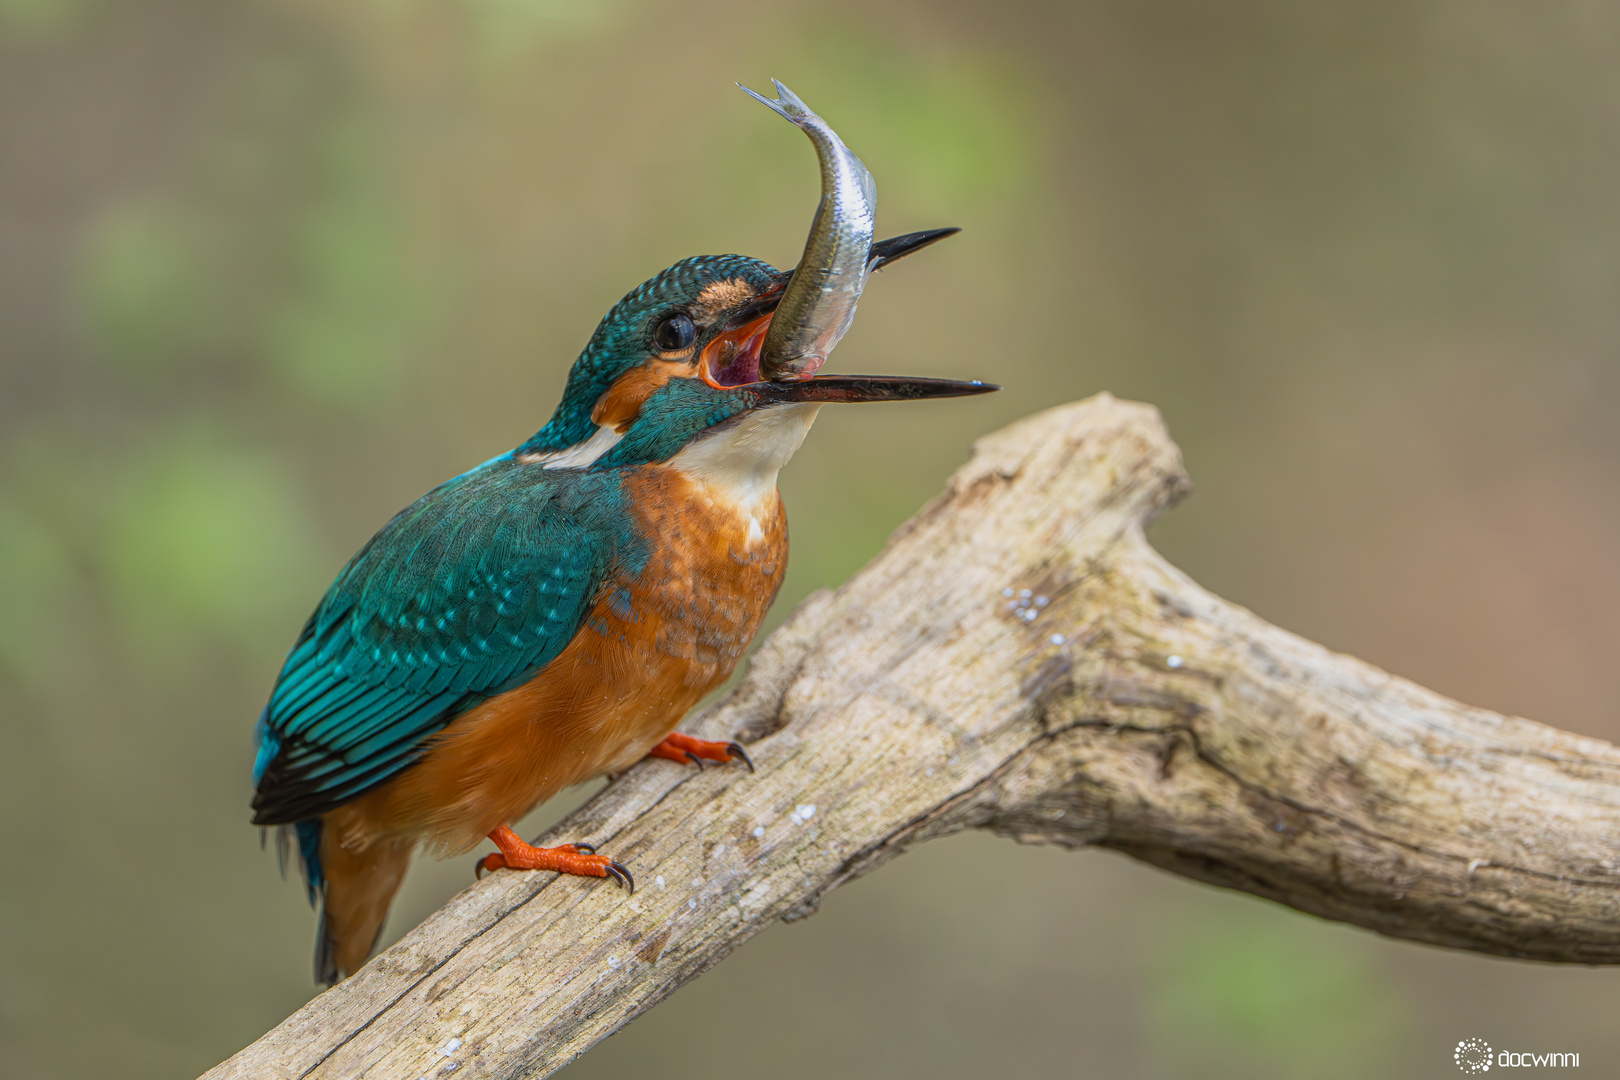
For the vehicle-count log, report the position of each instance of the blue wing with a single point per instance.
(462, 596)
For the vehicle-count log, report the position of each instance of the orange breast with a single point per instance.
(649, 649)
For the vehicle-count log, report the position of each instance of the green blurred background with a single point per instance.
(269, 269)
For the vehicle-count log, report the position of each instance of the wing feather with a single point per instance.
(464, 595)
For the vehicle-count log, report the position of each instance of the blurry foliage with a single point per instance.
(1242, 992)
(344, 332)
(328, 301)
(945, 128)
(182, 545)
(36, 575)
(40, 17)
(276, 261)
(208, 539)
(507, 32)
(147, 298)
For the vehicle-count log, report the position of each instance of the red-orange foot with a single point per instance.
(678, 747)
(578, 859)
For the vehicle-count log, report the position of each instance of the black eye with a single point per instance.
(674, 333)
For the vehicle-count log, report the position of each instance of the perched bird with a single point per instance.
(550, 615)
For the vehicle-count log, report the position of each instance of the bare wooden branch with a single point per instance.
(1018, 659)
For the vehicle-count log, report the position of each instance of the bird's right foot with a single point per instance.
(680, 747)
(578, 859)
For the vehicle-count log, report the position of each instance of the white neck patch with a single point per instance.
(580, 455)
(742, 461)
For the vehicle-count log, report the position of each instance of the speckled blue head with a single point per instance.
(625, 337)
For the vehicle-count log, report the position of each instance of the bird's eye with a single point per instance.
(674, 333)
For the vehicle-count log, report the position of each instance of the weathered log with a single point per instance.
(1017, 659)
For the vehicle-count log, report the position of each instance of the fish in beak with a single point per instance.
(777, 343)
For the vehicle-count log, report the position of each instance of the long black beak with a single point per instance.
(832, 388)
(887, 251)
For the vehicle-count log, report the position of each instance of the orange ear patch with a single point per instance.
(719, 297)
(619, 407)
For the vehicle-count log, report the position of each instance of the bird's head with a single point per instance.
(717, 357)
(677, 361)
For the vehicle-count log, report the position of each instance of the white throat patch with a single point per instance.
(742, 461)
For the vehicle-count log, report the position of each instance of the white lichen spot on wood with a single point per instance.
(756, 897)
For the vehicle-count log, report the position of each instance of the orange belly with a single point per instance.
(649, 649)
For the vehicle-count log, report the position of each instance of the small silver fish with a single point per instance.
(819, 301)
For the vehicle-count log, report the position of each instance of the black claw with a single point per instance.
(580, 845)
(694, 759)
(478, 869)
(737, 752)
(621, 877)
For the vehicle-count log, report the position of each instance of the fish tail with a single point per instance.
(786, 104)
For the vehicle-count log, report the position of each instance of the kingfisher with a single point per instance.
(550, 615)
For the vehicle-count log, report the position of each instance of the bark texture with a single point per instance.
(1017, 659)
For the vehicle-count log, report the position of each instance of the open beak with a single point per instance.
(731, 358)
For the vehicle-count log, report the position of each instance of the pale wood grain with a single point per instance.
(1134, 711)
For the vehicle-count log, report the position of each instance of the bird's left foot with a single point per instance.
(678, 747)
(578, 859)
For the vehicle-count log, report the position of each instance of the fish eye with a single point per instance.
(675, 332)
